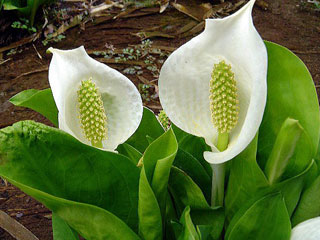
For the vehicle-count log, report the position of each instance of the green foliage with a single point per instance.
(157, 162)
(61, 230)
(186, 193)
(190, 165)
(246, 178)
(38, 100)
(26, 8)
(291, 93)
(283, 149)
(267, 218)
(188, 229)
(309, 205)
(273, 180)
(46, 164)
(23, 24)
(53, 39)
(149, 126)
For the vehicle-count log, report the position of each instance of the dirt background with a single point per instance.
(291, 23)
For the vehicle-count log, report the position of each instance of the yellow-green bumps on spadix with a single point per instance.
(164, 120)
(92, 114)
(223, 98)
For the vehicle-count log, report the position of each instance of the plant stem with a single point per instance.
(218, 170)
(98, 144)
(223, 141)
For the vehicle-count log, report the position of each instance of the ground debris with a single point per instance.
(14, 228)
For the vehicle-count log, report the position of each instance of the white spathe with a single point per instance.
(121, 99)
(185, 76)
(307, 230)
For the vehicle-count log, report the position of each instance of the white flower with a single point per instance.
(307, 230)
(185, 89)
(97, 104)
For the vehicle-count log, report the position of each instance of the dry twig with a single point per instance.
(14, 228)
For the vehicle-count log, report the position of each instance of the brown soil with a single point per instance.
(291, 23)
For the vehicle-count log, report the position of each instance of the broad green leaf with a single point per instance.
(150, 221)
(40, 101)
(150, 139)
(177, 229)
(157, 161)
(291, 93)
(210, 222)
(185, 192)
(309, 205)
(266, 219)
(88, 220)
(301, 158)
(190, 165)
(27, 8)
(133, 154)
(180, 134)
(149, 126)
(246, 178)
(170, 209)
(189, 231)
(61, 230)
(283, 149)
(12, 4)
(52, 161)
(171, 216)
(194, 146)
(290, 189)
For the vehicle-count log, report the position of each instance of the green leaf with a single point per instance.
(40, 101)
(171, 216)
(189, 231)
(291, 93)
(27, 8)
(49, 160)
(266, 219)
(130, 152)
(185, 192)
(149, 126)
(309, 205)
(157, 161)
(209, 221)
(291, 188)
(176, 229)
(61, 230)
(190, 165)
(194, 146)
(246, 178)
(283, 149)
(150, 221)
(90, 221)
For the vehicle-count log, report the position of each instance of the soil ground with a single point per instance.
(291, 23)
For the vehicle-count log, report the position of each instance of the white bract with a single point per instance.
(94, 101)
(188, 97)
(307, 230)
